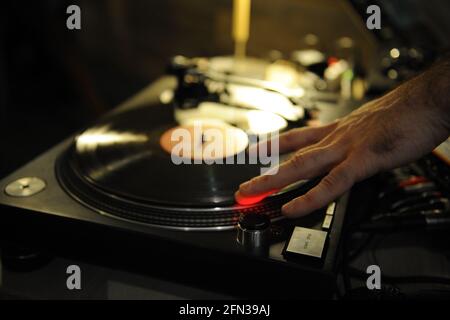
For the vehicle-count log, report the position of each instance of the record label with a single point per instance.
(204, 142)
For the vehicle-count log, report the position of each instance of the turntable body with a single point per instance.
(61, 221)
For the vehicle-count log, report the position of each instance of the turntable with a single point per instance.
(112, 193)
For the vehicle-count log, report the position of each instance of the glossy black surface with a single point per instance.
(254, 221)
(122, 156)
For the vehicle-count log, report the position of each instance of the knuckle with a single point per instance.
(310, 199)
(329, 183)
(297, 161)
(336, 179)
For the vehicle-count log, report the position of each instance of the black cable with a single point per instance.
(360, 224)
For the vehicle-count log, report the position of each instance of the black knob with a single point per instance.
(253, 229)
(254, 221)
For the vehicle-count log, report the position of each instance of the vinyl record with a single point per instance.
(123, 156)
(122, 167)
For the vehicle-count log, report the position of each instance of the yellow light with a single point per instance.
(392, 74)
(241, 25)
(395, 53)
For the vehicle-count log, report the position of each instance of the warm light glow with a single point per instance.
(392, 74)
(283, 74)
(260, 122)
(166, 96)
(241, 25)
(253, 121)
(257, 98)
(201, 141)
(336, 69)
(395, 53)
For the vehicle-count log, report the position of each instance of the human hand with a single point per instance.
(385, 133)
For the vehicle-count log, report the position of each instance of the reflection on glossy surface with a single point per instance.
(123, 156)
(260, 122)
(118, 164)
(254, 122)
(96, 136)
(261, 99)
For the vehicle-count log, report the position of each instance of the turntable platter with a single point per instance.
(120, 167)
(123, 156)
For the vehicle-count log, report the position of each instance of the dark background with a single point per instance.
(54, 81)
